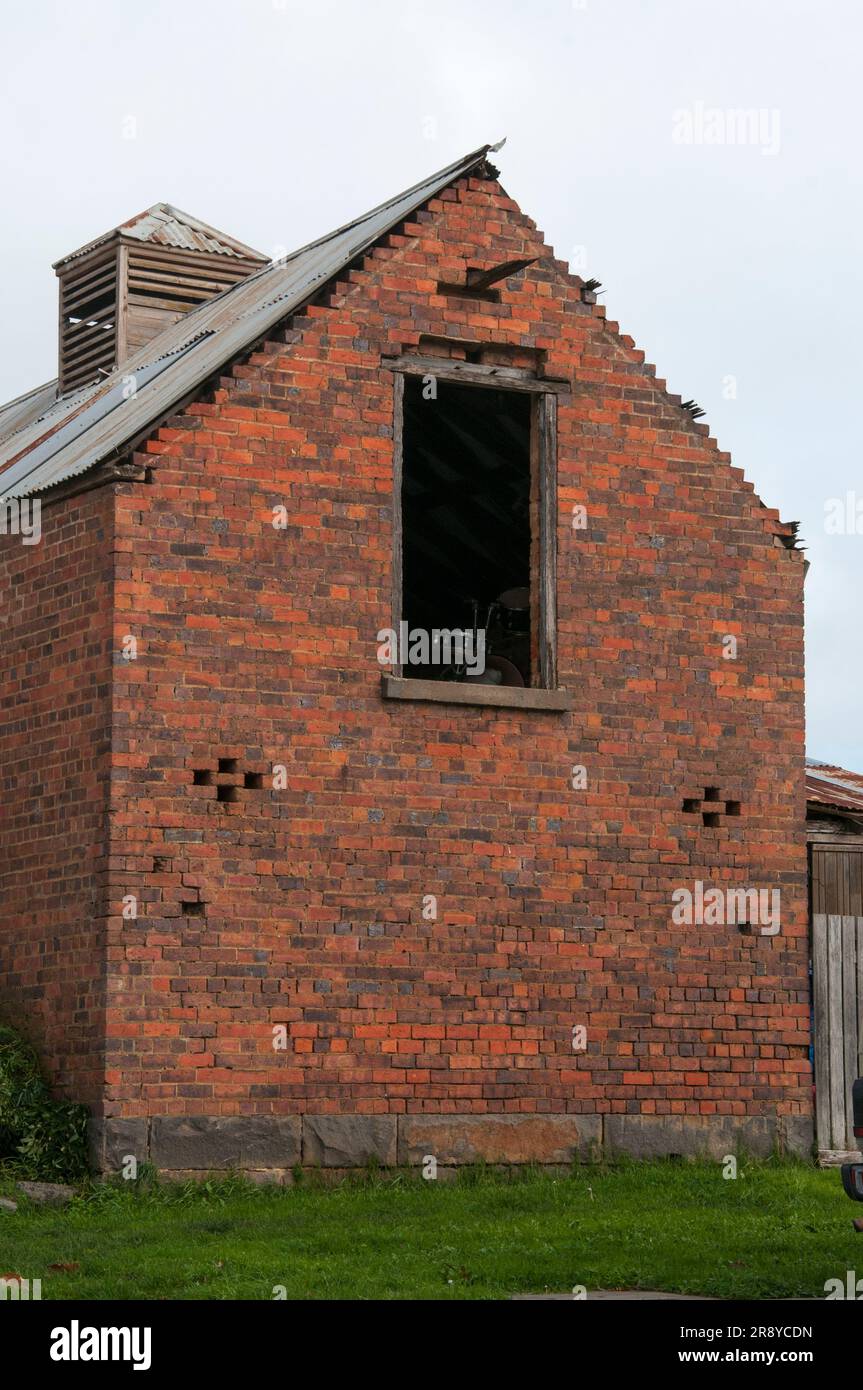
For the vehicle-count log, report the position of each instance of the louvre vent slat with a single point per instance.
(105, 292)
(103, 315)
(84, 361)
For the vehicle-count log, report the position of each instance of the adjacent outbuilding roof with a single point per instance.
(72, 435)
(832, 786)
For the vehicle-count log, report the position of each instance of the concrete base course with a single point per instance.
(277, 1144)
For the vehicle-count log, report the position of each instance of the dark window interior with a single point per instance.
(466, 532)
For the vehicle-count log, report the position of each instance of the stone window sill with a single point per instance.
(490, 696)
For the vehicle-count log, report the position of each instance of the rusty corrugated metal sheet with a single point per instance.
(834, 786)
(165, 225)
(64, 444)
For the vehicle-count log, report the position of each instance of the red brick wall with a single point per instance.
(55, 685)
(305, 904)
(554, 905)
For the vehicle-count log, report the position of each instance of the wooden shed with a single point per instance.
(834, 821)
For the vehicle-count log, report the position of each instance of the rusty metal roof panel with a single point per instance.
(169, 226)
(194, 349)
(165, 225)
(833, 786)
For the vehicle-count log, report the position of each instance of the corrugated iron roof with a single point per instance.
(17, 414)
(833, 786)
(165, 225)
(79, 431)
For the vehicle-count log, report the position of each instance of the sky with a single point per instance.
(699, 157)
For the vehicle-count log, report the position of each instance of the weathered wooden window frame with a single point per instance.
(543, 463)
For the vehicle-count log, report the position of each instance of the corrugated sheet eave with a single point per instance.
(828, 793)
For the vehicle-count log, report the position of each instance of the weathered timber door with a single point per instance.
(837, 979)
(836, 895)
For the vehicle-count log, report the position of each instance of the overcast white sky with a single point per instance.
(277, 120)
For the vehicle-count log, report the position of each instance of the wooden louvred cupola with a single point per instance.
(125, 288)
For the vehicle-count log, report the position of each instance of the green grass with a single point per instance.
(779, 1230)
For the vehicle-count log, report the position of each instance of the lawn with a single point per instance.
(778, 1230)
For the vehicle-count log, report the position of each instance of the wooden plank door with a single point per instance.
(837, 978)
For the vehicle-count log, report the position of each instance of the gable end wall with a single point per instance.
(303, 906)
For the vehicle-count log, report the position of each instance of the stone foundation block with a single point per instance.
(349, 1141)
(212, 1142)
(455, 1139)
(689, 1136)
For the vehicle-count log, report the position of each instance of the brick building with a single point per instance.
(266, 899)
